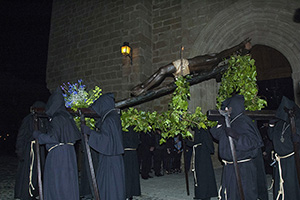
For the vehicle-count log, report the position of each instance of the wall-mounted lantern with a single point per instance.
(127, 51)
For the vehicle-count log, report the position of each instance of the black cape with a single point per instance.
(132, 172)
(108, 142)
(283, 145)
(204, 175)
(246, 146)
(60, 173)
(25, 149)
(145, 155)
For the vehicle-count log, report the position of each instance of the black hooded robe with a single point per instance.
(26, 186)
(283, 146)
(158, 153)
(61, 172)
(147, 142)
(203, 170)
(132, 172)
(108, 142)
(246, 147)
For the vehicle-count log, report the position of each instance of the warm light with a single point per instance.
(126, 50)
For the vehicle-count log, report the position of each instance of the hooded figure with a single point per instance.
(60, 173)
(203, 170)
(26, 186)
(247, 141)
(131, 142)
(108, 142)
(281, 136)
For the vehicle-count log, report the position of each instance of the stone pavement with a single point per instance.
(167, 187)
(8, 168)
(173, 187)
(170, 187)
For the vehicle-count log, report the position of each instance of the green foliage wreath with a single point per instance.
(176, 120)
(240, 78)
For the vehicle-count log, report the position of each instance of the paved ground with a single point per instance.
(8, 167)
(173, 187)
(167, 187)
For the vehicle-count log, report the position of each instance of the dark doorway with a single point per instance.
(274, 81)
(273, 90)
(273, 75)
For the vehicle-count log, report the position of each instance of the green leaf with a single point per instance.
(240, 78)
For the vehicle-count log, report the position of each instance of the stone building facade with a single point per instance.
(86, 37)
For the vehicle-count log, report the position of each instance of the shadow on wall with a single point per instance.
(296, 17)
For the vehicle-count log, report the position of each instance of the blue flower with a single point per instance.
(68, 104)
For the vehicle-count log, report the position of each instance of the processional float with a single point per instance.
(133, 101)
(146, 96)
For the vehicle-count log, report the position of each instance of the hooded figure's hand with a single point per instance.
(85, 129)
(36, 134)
(295, 138)
(272, 122)
(232, 133)
(221, 121)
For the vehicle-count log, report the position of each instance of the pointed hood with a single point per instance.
(38, 104)
(103, 104)
(62, 127)
(236, 103)
(56, 103)
(108, 140)
(280, 112)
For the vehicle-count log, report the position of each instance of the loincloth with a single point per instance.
(185, 67)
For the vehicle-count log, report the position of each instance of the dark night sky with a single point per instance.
(24, 37)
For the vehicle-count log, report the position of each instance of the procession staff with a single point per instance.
(88, 159)
(226, 114)
(38, 160)
(247, 141)
(185, 168)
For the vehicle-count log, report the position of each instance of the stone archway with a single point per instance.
(273, 75)
(267, 23)
(270, 63)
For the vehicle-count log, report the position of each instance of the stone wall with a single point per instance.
(86, 36)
